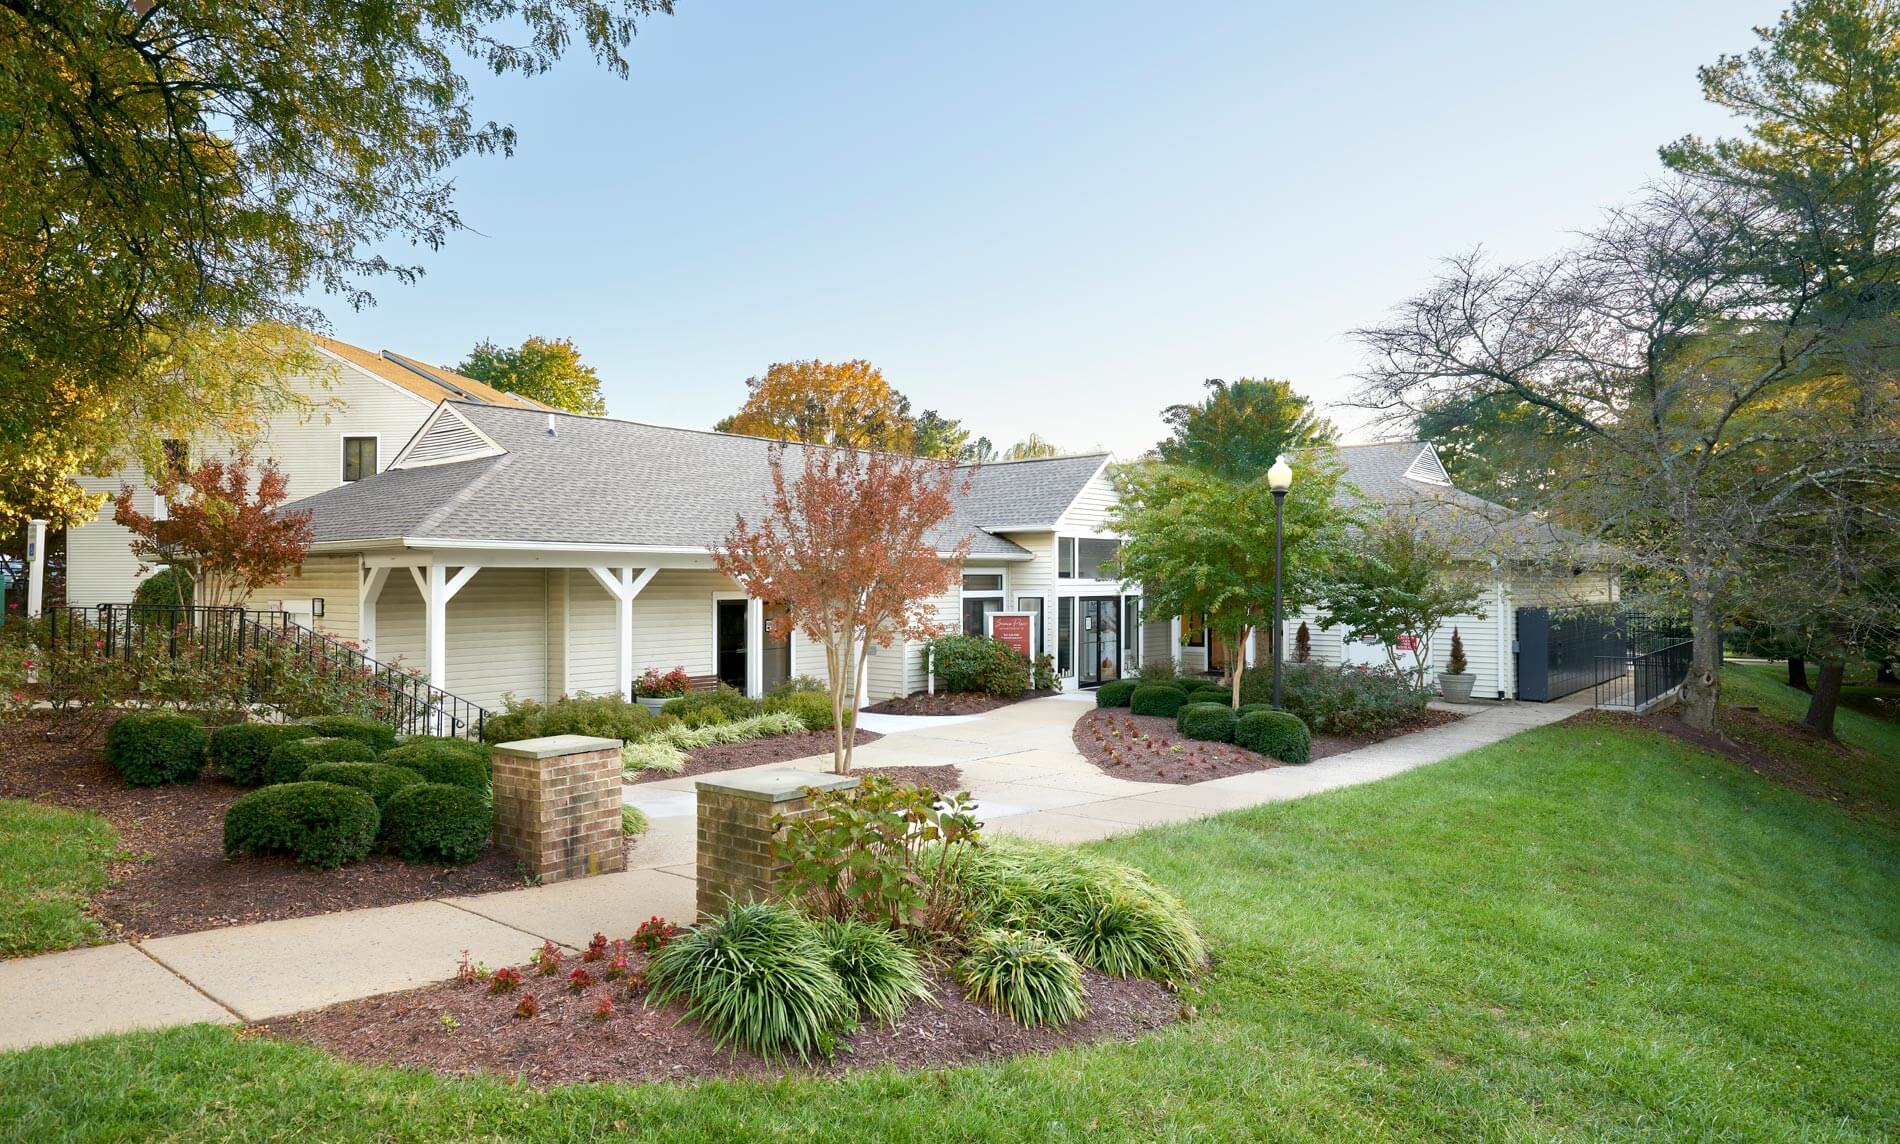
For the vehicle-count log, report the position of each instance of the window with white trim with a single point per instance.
(359, 458)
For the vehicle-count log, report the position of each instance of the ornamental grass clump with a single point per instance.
(880, 973)
(666, 749)
(1025, 976)
(758, 977)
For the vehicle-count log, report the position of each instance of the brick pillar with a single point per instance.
(557, 805)
(735, 831)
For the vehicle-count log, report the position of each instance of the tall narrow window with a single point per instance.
(1131, 633)
(1065, 557)
(1065, 620)
(359, 458)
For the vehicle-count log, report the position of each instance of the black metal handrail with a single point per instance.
(1655, 661)
(398, 697)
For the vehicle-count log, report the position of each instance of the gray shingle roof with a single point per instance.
(598, 480)
(1467, 523)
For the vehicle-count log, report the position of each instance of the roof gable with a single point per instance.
(445, 438)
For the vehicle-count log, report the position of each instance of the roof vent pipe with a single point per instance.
(551, 432)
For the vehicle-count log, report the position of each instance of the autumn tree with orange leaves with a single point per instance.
(851, 547)
(848, 404)
(219, 527)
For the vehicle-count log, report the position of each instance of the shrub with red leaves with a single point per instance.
(603, 1007)
(547, 959)
(505, 980)
(596, 949)
(579, 979)
(528, 1006)
(653, 935)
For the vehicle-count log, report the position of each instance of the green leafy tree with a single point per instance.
(934, 435)
(1498, 446)
(180, 174)
(1240, 427)
(1203, 544)
(1399, 584)
(548, 370)
(1030, 448)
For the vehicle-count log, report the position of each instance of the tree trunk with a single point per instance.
(1827, 698)
(1797, 673)
(1885, 673)
(1702, 688)
(1240, 662)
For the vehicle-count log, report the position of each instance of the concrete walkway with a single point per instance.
(1018, 761)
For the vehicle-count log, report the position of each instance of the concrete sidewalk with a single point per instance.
(1019, 762)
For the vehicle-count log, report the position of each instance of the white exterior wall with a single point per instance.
(1480, 635)
(496, 639)
(334, 579)
(307, 446)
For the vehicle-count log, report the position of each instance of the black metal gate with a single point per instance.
(1558, 648)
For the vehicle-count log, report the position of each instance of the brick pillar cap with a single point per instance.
(550, 746)
(780, 784)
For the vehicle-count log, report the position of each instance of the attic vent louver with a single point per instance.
(446, 437)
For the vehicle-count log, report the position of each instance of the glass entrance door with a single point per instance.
(730, 628)
(1100, 659)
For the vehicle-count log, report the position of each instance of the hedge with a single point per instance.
(288, 761)
(437, 822)
(240, 750)
(442, 761)
(1280, 734)
(378, 780)
(978, 663)
(153, 747)
(813, 708)
(1210, 722)
(321, 824)
(1116, 692)
(372, 734)
(1157, 699)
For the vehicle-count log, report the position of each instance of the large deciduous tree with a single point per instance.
(853, 546)
(221, 526)
(1203, 544)
(548, 370)
(1239, 428)
(176, 170)
(844, 404)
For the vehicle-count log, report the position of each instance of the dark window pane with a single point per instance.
(974, 609)
(359, 458)
(1065, 556)
(983, 582)
(1065, 620)
(1131, 628)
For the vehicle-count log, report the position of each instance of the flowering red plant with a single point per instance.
(603, 1007)
(547, 959)
(528, 1006)
(505, 980)
(579, 979)
(655, 684)
(596, 949)
(653, 935)
(469, 972)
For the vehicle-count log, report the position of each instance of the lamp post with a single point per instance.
(1279, 479)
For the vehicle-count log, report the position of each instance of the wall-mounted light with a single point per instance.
(316, 605)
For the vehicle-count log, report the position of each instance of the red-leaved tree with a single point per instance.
(221, 527)
(850, 548)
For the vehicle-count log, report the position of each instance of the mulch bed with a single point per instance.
(1147, 748)
(950, 703)
(565, 1044)
(738, 756)
(173, 876)
(944, 779)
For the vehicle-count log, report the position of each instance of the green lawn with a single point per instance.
(51, 863)
(1583, 932)
(1862, 772)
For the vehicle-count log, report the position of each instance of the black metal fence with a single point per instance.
(1654, 661)
(1559, 649)
(268, 659)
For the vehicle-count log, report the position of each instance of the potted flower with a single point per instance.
(1455, 681)
(655, 687)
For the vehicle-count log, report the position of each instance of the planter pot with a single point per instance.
(1457, 688)
(653, 705)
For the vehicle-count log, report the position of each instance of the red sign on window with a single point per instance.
(1017, 629)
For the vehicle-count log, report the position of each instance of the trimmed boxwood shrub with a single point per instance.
(1246, 709)
(731, 703)
(153, 747)
(240, 750)
(1276, 733)
(1211, 690)
(813, 708)
(979, 663)
(1116, 692)
(437, 822)
(372, 734)
(1157, 699)
(288, 761)
(443, 761)
(378, 780)
(1209, 722)
(321, 824)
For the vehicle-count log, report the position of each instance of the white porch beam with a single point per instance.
(367, 593)
(435, 598)
(454, 583)
(1174, 642)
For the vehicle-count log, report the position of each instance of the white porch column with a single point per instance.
(1253, 647)
(1174, 642)
(623, 586)
(754, 647)
(368, 591)
(438, 588)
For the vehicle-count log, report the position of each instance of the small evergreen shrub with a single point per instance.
(152, 747)
(372, 734)
(240, 750)
(1025, 976)
(437, 822)
(1456, 664)
(798, 684)
(1249, 708)
(448, 761)
(289, 760)
(600, 716)
(1340, 700)
(163, 588)
(1276, 733)
(731, 704)
(697, 717)
(1116, 692)
(759, 977)
(1042, 673)
(517, 719)
(320, 824)
(1163, 699)
(1207, 691)
(979, 663)
(1208, 722)
(813, 708)
(880, 973)
(378, 780)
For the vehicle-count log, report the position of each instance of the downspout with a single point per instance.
(1507, 658)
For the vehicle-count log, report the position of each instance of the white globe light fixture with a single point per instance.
(1279, 479)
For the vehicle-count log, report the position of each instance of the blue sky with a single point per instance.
(1048, 217)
